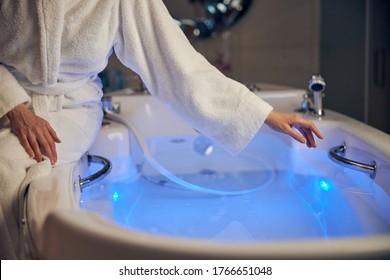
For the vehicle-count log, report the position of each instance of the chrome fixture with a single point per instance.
(99, 175)
(109, 106)
(306, 104)
(317, 86)
(312, 102)
(337, 155)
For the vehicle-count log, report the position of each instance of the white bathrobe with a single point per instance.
(51, 52)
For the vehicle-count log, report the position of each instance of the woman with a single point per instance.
(50, 55)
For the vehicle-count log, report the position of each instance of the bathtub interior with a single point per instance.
(275, 190)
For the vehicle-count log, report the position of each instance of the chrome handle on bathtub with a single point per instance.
(337, 155)
(99, 175)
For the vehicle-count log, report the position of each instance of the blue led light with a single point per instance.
(115, 196)
(325, 186)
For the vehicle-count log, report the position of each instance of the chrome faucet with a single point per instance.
(317, 86)
(312, 102)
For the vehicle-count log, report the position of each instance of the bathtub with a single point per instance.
(176, 195)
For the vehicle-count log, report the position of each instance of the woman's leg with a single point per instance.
(77, 129)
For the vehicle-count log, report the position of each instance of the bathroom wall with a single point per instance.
(343, 51)
(355, 48)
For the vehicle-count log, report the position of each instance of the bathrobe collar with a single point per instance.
(51, 23)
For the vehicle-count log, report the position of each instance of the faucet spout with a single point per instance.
(317, 86)
(318, 109)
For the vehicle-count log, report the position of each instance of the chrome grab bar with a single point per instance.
(99, 175)
(337, 155)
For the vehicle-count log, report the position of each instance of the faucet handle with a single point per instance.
(306, 104)
(110, 106)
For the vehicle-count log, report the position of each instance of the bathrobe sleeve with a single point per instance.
(11, 92)
(152, 45)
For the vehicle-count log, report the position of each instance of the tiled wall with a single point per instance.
(277, 42)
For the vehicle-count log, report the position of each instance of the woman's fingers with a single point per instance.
(309, 126)
(35, 146)
(286, 122)
(26, 145)
(294, 134)
(52, 138)
(41, 144)
(47, 146)
(53, 134)
(310, 142)
(36, 135)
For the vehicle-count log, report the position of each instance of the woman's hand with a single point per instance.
(285, 123)
(35, 134)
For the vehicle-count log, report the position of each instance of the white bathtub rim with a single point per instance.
(64, 195)
(90, 226)
(375, 138)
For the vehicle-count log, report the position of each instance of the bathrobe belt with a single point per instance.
(43, 104)
(85, 95)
